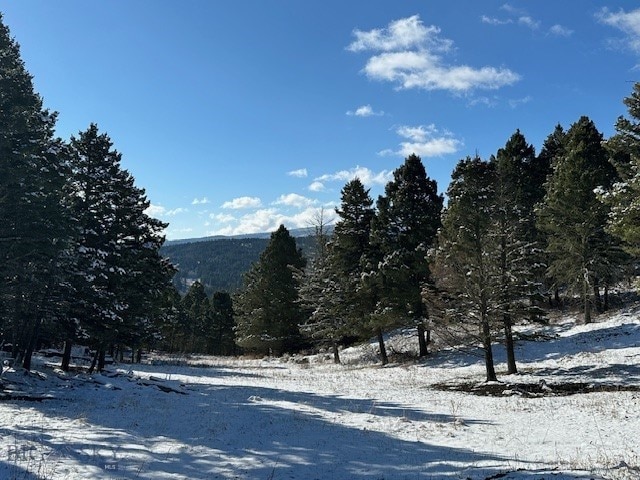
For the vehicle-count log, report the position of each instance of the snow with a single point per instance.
(305, 418)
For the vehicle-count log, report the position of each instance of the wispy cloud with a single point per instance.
(520, 16)
(626, 22)
(495, 21)
(560, 31)
(242, 202)
(295, 200)
(269, 219)
(366, 176)
(157, 211)
(222, 217)
(516, 102)
(300, 173)
(365, 111)
(529, 22)
(425, 141)
(411, 55)
(200, 201)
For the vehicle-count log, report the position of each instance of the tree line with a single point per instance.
(521, 233)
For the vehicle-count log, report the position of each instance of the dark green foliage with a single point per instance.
(467, 292)
(121, 274)
(624, 197)
(267, 310)
(221, 336)
(219, 264)
(404, 228)
(35, 229)
(582, 254)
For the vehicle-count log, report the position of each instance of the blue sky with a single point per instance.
(236, 116)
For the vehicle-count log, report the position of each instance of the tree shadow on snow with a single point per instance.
(257, 433)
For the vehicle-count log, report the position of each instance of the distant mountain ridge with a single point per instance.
(220, 262)
(295, 232)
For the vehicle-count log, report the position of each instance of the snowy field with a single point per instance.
(276, 419)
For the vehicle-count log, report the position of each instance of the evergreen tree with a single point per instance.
(404, 228)
(467, 294)
(624, 197)
(35, 230)
(552, 151)
(197, 310)
(321, 295)
(513, 225)
(581, 253)
(221, 334)
(122, 272)
(268, 313)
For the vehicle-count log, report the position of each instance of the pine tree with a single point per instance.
(122, 274)
(267, 310)
(321, 294)
(624, 197)
(35, 229)
(197, 310)
(581, 253)
(404, 228)
(513, 225)
(221, 334)
(467, 294)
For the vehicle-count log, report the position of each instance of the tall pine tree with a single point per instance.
(582, 254)
(35, 230)
(404, 228)
(267, 309)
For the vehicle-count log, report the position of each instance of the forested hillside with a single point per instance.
(218, 264)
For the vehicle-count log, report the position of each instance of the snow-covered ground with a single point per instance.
(305, 419)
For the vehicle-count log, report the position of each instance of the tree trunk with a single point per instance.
(606, 297)
(31, 344)
(509, 345)
(101, 356)
(336, 354)
(556, 296)
(587, 303)
(383, 350)
(597, 297)
(66, 355)
(422, 341)
(94, 361)
(488, 352)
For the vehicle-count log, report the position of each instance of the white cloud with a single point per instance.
(366, 176)
(402, 34)
(425, 141)
(411, 57)
(627, 22)
(560, 31)
(175, 211)
(300, 173)
(317, 187)
(295, 200)
(222, 217)
(529, 22)
(269, 219)
(242, 202)
(494, 21)
(200, 201)
(365, 111)
(155, 211)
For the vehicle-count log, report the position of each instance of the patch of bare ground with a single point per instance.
(533, 390)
